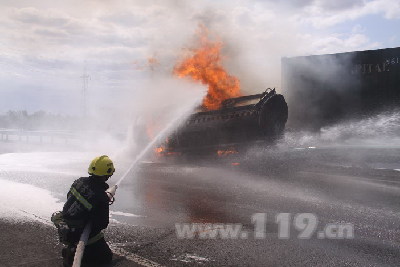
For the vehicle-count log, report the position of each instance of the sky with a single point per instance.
(47, 45)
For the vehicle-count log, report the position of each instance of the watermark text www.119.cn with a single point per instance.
(301, 225)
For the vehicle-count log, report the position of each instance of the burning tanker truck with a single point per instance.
(239, 122)
(227, 120)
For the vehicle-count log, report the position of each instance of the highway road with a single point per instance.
(308, 188)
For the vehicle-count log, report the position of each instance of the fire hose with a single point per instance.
(80, 248)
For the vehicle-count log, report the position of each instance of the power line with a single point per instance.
(85, 85)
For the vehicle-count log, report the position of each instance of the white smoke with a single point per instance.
(45, 44)
(381, 130)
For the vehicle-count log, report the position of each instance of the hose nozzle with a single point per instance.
(111, 193)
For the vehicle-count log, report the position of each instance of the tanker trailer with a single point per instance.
(239, 122)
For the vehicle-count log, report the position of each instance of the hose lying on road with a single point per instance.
(80, 248)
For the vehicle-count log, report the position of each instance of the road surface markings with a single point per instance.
(135, 258)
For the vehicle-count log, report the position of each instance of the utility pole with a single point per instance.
(85, 78)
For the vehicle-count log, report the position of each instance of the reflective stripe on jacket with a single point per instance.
(87, 201)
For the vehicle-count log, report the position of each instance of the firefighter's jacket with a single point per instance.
(87, 201)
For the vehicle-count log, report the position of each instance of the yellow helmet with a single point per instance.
(101, 166)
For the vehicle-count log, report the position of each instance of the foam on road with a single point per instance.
(24, 201)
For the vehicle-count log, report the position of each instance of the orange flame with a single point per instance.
(229, 151)
(204, 65)
(159, 150)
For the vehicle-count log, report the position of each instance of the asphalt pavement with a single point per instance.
(310, 188)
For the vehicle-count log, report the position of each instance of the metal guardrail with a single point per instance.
(15, 135)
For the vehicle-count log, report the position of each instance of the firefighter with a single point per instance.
(87, 202)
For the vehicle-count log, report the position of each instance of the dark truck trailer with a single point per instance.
(239, 121)
(325, 89)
